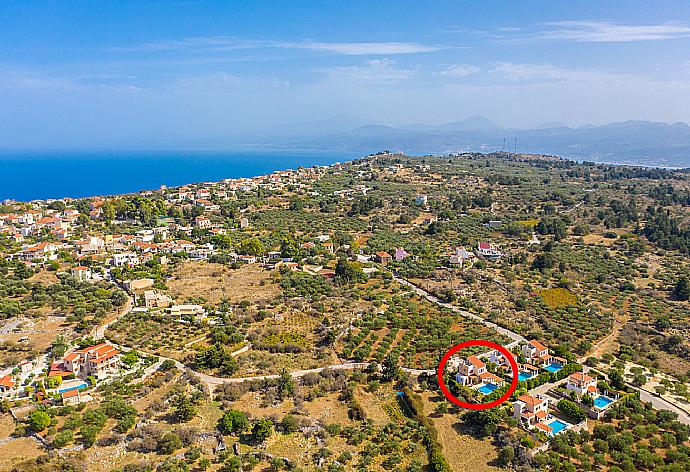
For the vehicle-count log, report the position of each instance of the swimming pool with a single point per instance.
(77, 386)
(557, 426)
(522, 376)
(487, 388)
(602, 402)
(553, 367)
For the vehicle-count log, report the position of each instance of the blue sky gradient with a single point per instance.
(105, 75)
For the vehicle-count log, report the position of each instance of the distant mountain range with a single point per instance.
(629, 142)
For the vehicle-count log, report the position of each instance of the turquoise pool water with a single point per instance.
(553, 367)
(558, 426)
(602, 402)
(487, 388)
(522, 376)
(73, 387)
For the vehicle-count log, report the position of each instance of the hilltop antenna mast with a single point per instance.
(515, 145)
(504, 145)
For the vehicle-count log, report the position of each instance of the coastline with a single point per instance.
(53, 176)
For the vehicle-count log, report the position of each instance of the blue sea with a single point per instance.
(29, 176)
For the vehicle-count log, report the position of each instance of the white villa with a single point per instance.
(97, 361)
(488, 251)
(581, 383)
(531, 411)
(537, 354)
(470, 370)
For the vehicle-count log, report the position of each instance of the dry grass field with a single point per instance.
(18, 450)
(38, 332)
(213, 282)
(462, 451)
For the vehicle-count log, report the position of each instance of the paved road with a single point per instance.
(661, 404)
(99, 331)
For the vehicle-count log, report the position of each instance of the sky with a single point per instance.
(151, 74)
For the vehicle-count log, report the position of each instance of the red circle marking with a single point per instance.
(471, 343)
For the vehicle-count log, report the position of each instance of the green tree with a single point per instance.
(173, 464)
(169, 443)
(130, 357)
(233, 422)
(63, 438)
(262, 429)
(506, 454)
(252, 246)
(290, 423)
(39, 420)
(184, 408)
(571, 409)
(59, 347)
(390, 368)
(682, 290)
(289, 248)
(350, 272)
(286, 385)
(616, 379)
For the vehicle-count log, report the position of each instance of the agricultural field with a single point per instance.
(157, 334)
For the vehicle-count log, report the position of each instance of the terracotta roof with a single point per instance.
(538, 345)
(489, 376)
(476, 362)
(581, 377)
(541, 414)
(70, 393)
(71, 356)
(100, 351)
(7, 381)
(543, 427)
(530, 400)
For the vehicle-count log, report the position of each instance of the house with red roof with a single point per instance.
(97, 361)
(71, 397)
(535, 350)
(382, 257)
(81, 273)
(488, 251)
(581, 383)
(7, 384)
(531, 410)
(470, 371)
(538, 354)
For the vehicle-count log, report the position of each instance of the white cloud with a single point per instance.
(225, 43)
(362, 49)
(375, 70)
(552, 73)
(604, 31)
(462, 70)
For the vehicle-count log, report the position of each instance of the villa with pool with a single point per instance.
(537, 354)
(581, 384)
(470, 371)
(532, 411)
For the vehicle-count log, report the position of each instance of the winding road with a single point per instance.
(212, 381)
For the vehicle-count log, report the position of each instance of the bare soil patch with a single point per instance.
(213, 282)
(18, 450)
